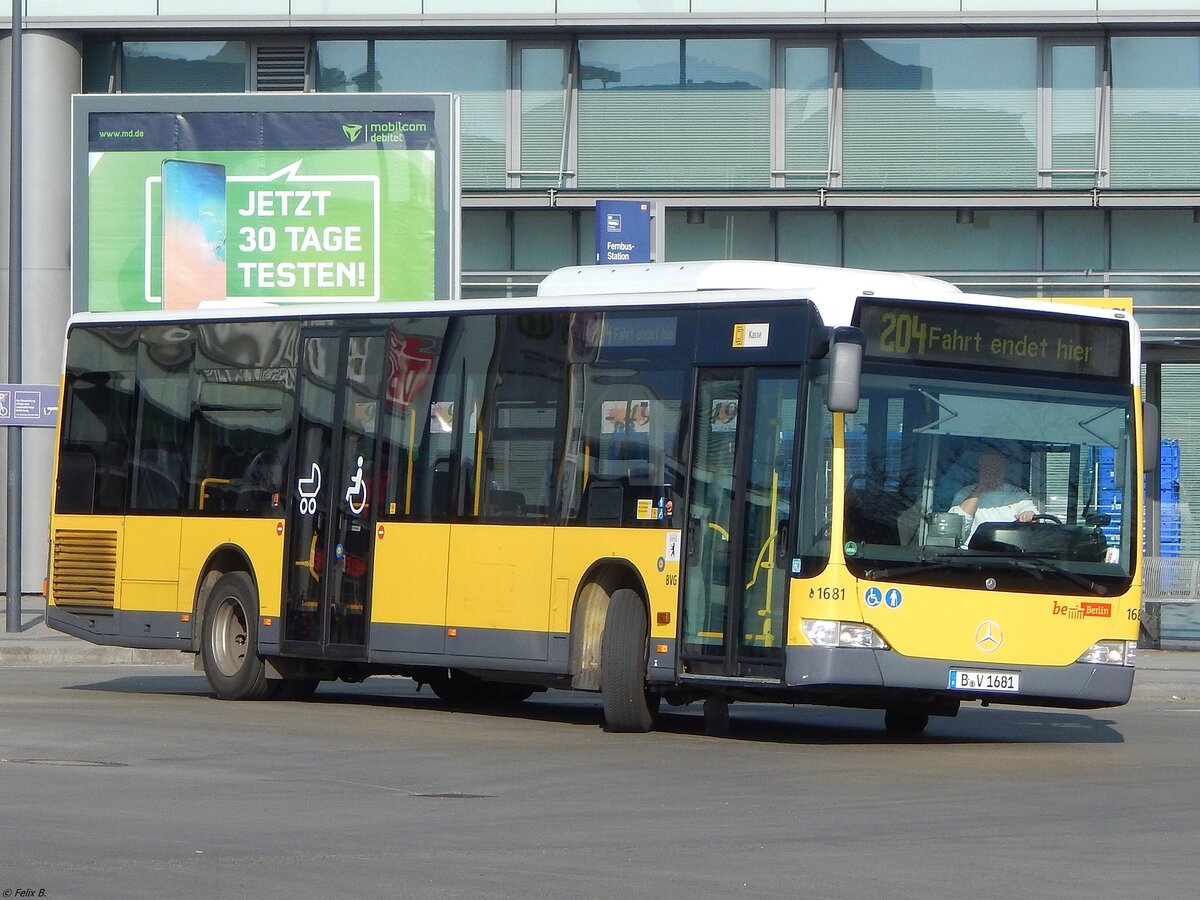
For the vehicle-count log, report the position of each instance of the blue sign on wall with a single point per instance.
(622, 231)
(31, 405)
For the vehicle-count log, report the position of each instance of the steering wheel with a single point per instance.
(1046, 517)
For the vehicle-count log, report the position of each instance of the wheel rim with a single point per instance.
(230, 634)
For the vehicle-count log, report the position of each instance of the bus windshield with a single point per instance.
(948, 476)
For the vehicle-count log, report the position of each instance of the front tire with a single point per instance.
(627, 707)
(229, 644)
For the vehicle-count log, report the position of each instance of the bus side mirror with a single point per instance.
(846, 345)
(1151, 437)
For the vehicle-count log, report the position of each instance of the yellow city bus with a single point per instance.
(717, 482)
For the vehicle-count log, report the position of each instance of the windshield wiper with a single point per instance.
(935, 563)
(1038, 566)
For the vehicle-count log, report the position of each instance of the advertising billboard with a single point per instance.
(192, 201)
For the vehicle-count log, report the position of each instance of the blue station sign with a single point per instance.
(623, 231)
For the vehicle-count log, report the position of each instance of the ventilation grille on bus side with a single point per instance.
(280, 67)
(85, 569)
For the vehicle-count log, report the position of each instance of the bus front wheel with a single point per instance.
(627, 705)
(229, 647)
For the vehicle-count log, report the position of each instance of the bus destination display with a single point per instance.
(965, 336)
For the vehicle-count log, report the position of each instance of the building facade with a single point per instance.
(1019, 147)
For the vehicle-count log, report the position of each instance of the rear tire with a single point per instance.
(627, 706)
(229, 643)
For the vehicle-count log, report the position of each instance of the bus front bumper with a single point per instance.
(880, 677)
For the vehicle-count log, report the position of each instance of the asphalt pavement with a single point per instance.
(1161, 674)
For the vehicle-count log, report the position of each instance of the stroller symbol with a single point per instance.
(309, 488)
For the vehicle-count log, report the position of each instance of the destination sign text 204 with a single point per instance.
(971, 337)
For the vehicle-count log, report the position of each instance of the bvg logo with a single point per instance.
(352, 132)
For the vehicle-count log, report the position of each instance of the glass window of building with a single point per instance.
(184, 67)
(806, 73)
(719, 234)
(674, 114)
(100, 66)
(936, 241)
(476, 70)
(1155, 140)
(1073, 111)
(1179, 476)
(1074, 240)
(541, 111)
(940, 112)
(485, 240)
(1155, 240)
(543, 239)
(808, 236)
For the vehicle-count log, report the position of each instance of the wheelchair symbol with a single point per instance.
(356, 494)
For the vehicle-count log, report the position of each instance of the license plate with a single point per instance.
(975, 680)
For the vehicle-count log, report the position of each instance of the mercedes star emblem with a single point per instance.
(988, 636)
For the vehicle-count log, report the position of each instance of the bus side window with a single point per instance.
(262, 482)
(76, 483)
(96, 426)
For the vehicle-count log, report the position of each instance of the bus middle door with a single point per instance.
(331, 527)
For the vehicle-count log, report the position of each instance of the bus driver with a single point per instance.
(992, 498)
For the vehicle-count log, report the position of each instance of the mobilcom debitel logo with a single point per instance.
(383, 132)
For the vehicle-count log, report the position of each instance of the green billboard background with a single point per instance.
(331, 200)
(339, 226)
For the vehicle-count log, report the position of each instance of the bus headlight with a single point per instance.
(1110, 653)
(827, 633)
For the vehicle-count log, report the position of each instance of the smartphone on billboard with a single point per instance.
(193, 233)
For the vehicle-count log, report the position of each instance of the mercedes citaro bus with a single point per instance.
(695, 482)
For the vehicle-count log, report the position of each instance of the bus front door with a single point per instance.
(734, 593)
(331, 519)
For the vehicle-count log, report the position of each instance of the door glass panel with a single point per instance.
(710, 516)
(332, 506)
(767, 515)
(312, 484)
(355, 510)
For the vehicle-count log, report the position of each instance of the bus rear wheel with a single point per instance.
(627, 705)
(229, 644)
